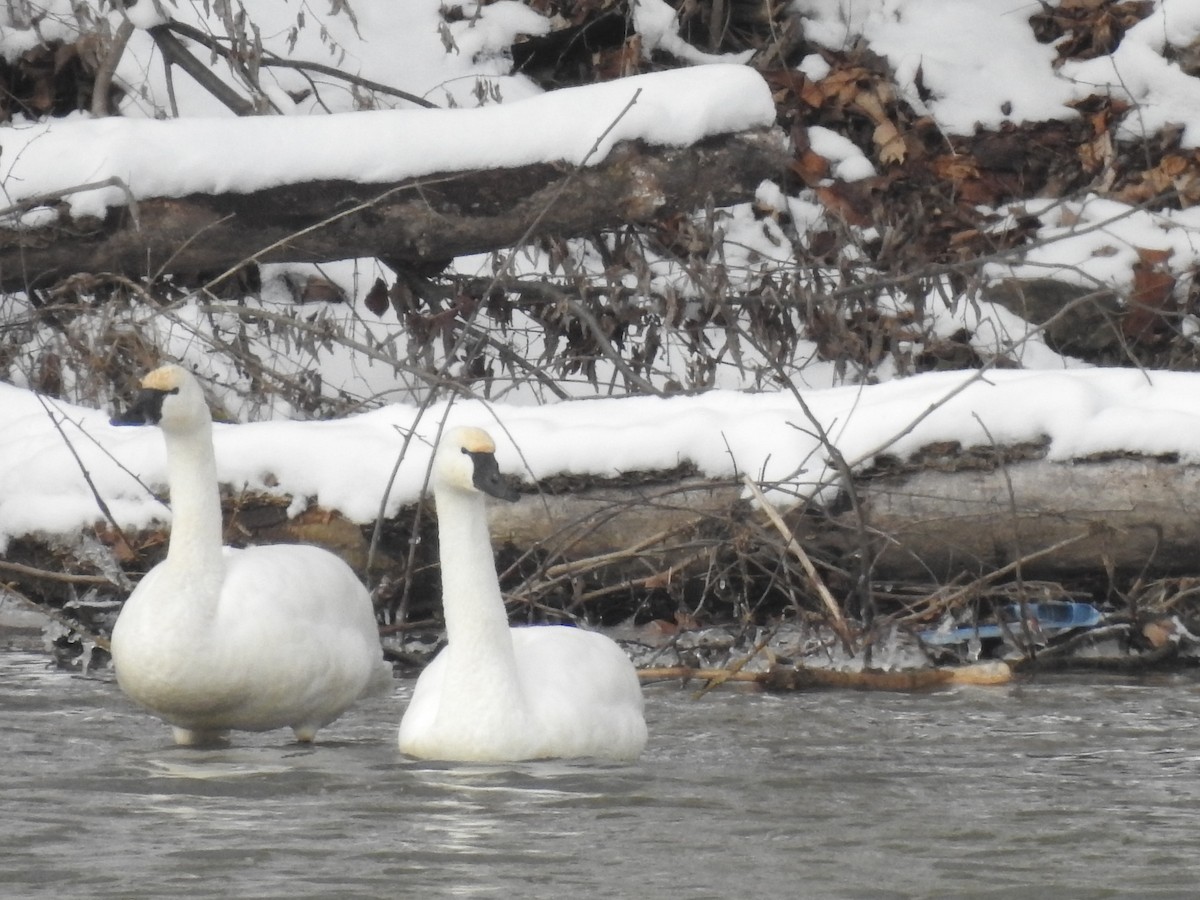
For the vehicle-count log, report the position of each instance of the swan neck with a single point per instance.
(476, 622)
(196, 529)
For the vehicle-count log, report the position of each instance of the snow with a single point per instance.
(1094, 242)
(1137, 72)
(655, 21)
(975, 56)
(345, 464)
(982, 65)
(846, 161)
(178, 157)
(977, 59)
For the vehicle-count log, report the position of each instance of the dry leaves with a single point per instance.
(1085, 29)
(1151, 302)
(858, 90)
(50, 79)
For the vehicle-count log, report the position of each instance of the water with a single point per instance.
(1071, 789)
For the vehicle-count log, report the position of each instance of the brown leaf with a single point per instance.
(377, 298)
(841, 86)
(1152, 257)
(1097, 154)
(1175, 172)
(844, 202)
(810, 168)
(889, 143)
(871, 105)
(1152, 297)
(954, 167)
(811, 93)
(320, 290)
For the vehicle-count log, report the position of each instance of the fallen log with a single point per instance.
(930, 523)
(1165, 657)
(408, 224)
(795, 678)
(652, 548)
(1106, 514)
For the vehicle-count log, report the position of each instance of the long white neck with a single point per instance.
(479, 643)
(196, 536)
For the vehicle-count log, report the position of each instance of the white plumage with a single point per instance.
(216, 639)
(497, 693)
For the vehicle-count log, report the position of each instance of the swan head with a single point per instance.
(170, 398)
(466, 461)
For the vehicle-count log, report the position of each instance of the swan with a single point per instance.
(501, 694)
(215, 639)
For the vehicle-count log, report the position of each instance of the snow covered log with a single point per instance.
(410, 223)
(593, 545)
(927, 523)
(1061, 519)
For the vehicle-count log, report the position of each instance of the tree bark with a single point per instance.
(416, 223)
(1061, 519)
(1121, 513)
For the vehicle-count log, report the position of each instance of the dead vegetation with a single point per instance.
(856, 294)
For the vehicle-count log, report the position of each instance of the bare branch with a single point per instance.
(174, 52)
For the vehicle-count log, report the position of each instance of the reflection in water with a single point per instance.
(1069, 788)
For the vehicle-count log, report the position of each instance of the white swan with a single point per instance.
(495, 693)
(215, 639)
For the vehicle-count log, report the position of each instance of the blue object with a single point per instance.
(1051, 617)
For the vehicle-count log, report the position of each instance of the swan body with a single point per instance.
(495, 693)
(215, 639)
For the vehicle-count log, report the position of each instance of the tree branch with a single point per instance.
(174, 52)
(278, 62)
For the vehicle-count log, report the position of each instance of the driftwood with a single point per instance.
(409, 224)
(1166, 657)
(793, 678)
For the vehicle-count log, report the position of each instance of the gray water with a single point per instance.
(1062, 788)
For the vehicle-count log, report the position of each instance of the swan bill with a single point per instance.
(488, 479)
(146, 409)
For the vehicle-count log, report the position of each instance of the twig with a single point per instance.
(659, 673)
(100, 502)
(40, 199)
(793, 678)
(274, 61)
(735, 669)
(982, 581)
(576, 566)
(187, 242)
(654, 579)
(47, 575)
(835, 612)
(377, 531)
(174, 51)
